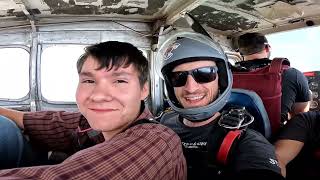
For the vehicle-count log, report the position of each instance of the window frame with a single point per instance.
(45, 103)
(27, 96)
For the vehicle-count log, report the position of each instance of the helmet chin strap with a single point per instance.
(200, 120)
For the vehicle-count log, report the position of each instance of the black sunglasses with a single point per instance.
(200, 75)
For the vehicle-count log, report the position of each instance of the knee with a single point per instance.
(6, 122)
(7, 126)
(9, 130)
(11, 143)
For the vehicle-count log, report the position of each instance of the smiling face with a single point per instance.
(194, 94)
(110, 99)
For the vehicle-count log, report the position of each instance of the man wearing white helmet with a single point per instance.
(198, 82)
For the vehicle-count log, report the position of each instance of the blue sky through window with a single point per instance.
(301, 47)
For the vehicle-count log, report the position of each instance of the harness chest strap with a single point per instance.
(232, 125)
(226, 145)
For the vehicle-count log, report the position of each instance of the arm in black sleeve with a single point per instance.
(304, 128)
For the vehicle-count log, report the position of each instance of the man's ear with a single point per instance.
(268, 48)
(145, 91)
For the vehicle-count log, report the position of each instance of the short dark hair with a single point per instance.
(251, 43)
(114, 54)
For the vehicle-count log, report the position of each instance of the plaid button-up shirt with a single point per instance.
(144, 151)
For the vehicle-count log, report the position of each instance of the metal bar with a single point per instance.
(180, 8)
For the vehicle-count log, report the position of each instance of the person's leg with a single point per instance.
(11, 144)
(15, 150)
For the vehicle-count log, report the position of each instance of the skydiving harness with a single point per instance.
(266, 81)
(224, 137)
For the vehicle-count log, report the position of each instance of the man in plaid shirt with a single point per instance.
(112, 86)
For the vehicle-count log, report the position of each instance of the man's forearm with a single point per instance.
(299, 107)
(14, 115)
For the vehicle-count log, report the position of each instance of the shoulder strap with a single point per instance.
(224, 137)
(277, 65)
(226, 145)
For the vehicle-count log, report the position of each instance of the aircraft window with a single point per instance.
(59, 77)
(14, 73)
(300, 46)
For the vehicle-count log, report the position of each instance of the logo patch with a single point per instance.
(169, 52)
(273, 161)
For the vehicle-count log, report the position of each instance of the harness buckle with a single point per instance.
(235, 118)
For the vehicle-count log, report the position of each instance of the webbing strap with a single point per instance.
(276, 64)
(226, 145)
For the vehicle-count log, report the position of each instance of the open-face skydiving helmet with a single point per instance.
(185, 47)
